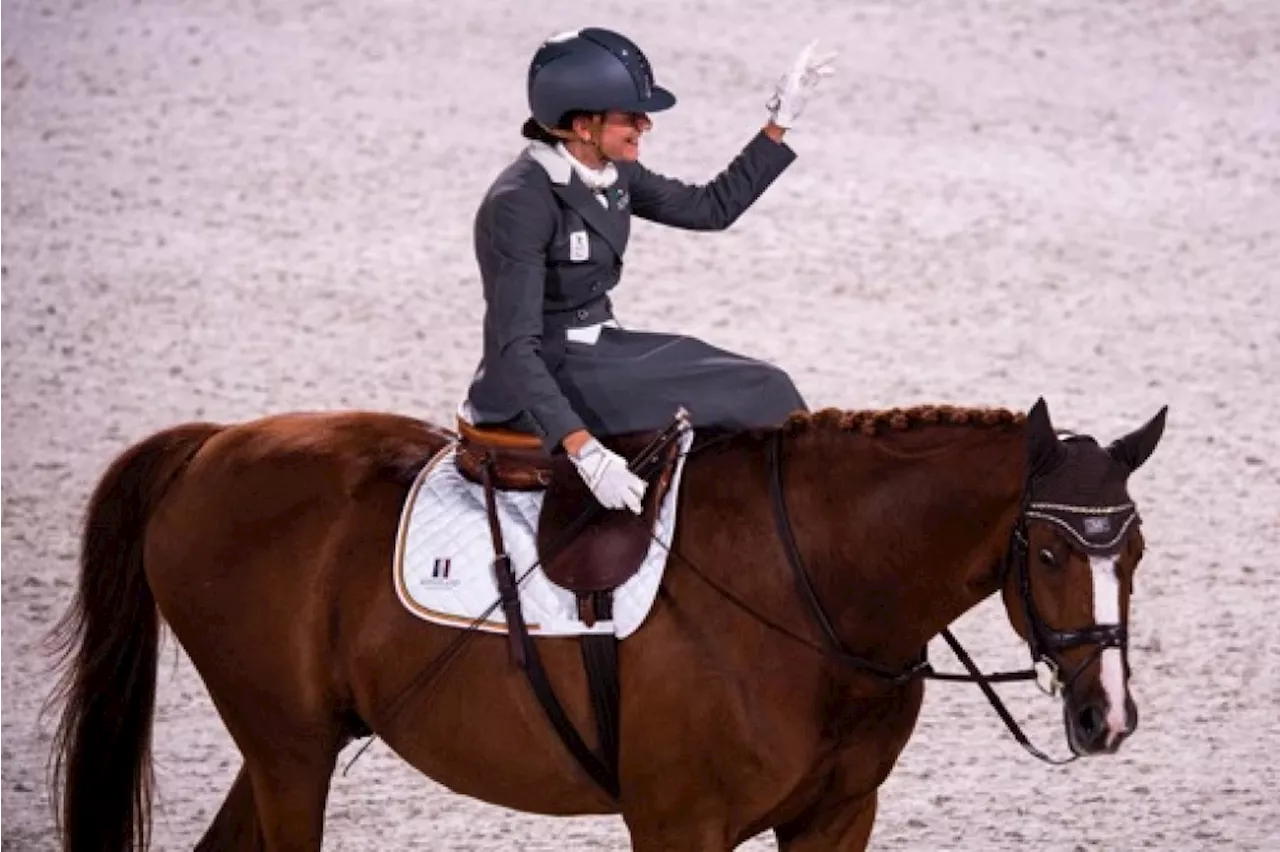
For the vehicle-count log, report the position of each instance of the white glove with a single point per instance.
(606, 474)
(795, 87)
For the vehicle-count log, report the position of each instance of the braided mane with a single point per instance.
(899, 419)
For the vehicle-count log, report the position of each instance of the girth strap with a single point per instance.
(600, 659)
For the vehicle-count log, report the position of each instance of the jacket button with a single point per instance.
(583, 313)
(595, 286)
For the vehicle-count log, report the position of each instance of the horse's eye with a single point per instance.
(1047, 557)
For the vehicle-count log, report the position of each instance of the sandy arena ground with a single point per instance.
(221, 210)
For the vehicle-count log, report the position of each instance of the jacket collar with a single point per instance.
(613, 225)
(559, 165)
(556, 166)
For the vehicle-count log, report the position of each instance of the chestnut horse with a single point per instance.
(745, 705)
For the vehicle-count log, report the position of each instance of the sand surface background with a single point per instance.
(222, 210)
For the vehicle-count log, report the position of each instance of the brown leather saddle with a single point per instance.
(585, 553)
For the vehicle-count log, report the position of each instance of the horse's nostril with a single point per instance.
(1090, 721)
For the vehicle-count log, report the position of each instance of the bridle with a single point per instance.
(1044, 642)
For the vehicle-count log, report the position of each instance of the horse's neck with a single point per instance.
(903, 533)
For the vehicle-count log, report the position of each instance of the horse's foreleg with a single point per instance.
(844, 826)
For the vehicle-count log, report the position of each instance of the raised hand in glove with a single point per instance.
(798, 84)
(606, 474)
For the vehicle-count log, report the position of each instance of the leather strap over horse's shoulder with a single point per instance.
(605, 550)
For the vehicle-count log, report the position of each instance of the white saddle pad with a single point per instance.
(443, 568)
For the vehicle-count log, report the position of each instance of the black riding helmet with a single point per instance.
(591, 70)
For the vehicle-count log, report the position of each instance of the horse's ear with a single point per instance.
(1043, 447)
(1136, 447)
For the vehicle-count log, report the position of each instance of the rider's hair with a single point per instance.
(535, 131)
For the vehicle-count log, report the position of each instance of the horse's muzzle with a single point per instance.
(1091, 730)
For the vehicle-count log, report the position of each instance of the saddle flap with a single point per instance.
(611, 546)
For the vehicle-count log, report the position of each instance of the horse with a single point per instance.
(773, 685)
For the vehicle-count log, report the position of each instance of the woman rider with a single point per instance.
(550, 237)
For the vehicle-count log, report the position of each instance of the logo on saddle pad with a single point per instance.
(439, 576)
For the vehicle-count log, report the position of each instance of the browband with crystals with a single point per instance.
(1099, 530)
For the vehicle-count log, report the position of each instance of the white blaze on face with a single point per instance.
(1106, 610)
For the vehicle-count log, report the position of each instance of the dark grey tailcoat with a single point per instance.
(549, 254)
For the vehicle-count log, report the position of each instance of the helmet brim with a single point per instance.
(658, 100)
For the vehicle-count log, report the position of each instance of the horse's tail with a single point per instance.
(108, 644)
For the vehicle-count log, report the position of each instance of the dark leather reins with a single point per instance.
(1043, 643)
